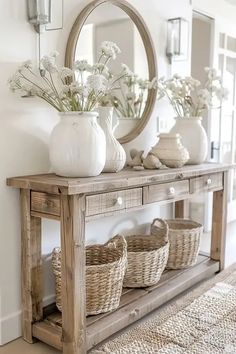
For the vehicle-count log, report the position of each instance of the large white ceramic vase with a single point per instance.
(115, 153)
(77, 145)
(194, 138)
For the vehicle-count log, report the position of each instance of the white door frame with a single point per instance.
(230, 31)
(207, 199)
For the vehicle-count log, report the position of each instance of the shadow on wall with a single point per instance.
(26, 153)
(26, 124)
(25, 128)
(24, 137)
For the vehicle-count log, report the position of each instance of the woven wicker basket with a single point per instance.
(105, 269)
(147, 256)
(184, 239)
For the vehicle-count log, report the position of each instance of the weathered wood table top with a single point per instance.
(52, 183)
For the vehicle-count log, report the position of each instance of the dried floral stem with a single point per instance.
(187, 96)
(66, 89)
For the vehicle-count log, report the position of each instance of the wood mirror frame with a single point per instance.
(148, 45)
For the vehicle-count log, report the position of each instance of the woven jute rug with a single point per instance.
(201, 322)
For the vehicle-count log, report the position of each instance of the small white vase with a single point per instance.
(194, 138)
(77, 145)
(170, 150)
(115, 154)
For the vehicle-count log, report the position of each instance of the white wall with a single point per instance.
(202, 27)
(219, 9)
(25, 128)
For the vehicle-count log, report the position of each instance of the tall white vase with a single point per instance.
(115, 154)
(77, 145)
(194, 138)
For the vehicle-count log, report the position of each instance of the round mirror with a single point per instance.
(117, 21)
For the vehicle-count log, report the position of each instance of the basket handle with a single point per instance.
(160, 228)
(119, 242)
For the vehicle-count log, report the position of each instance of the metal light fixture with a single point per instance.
(177, 39)
(39, 13)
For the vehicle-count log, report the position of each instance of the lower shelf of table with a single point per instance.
(134, 304)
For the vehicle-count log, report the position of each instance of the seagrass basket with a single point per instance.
(105, 269)
(147, 256)
(184, 239)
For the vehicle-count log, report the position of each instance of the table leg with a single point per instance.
(73, 274)
(31, 265)
(219, 223)
(182, 209)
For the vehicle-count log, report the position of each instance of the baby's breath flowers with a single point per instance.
(109, 49)
(77, 89)
(130, 96)
(188, 97)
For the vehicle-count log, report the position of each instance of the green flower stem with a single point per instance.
(51, 103)
(55, 90)
(141, 103)
(81, 78)
(100, 58)
(126, 104)
(75, 104)
(107, 60)
(48, 98)
(173, 103)
(118, 79)
(118, 106)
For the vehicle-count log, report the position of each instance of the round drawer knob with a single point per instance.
(119, 201)
(209, 181)
(171, 191)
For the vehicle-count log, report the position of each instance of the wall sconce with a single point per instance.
(177, 39)
(39, 13)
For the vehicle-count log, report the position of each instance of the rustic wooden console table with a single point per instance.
(73, 202)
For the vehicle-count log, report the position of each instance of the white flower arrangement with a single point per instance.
(130, 96)
(188, 97)
(77, 89)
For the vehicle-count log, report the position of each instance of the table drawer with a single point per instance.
(113, 201)
(159, 192)
(45, 203)
(206, 183)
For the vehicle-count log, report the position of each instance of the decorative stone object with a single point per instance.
(170, 150)
(139, 162)
(136, 157)
(138, 168)
(151, 162)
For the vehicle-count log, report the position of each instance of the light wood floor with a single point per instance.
(20, 347)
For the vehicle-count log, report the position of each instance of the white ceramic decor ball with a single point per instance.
(193, 137)
(77, 145)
